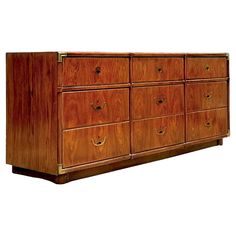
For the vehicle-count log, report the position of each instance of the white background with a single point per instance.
(193, 194)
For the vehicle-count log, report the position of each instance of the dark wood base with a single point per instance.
(65, 178)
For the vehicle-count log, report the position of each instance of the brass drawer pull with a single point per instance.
(160, 100)
(159, 69)
(208, 124)
(99, 141)
(161, 131)
(98, 70)
(98, 107)
(208, 95)
(207, 67)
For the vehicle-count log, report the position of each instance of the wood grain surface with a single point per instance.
(92, 144)
(157, 69)
(205, 124)
(201, 67)
(95, 71)
(158, 132)
(32, 111)
(210, 95)
(95, 107)
(157, 101)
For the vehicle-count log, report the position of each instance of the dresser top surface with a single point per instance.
(143, 54)
(131, 54)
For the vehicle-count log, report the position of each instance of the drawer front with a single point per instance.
(157, 101)
(158, 132)
(200, 96)
(95, 71)
(157, 69)
(85, 145)
(206, 68)
(95, 107)
(206, 124)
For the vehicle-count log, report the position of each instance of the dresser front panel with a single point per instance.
(85, 145)
(92, 107)
(157, 69)
(205, 68)
(206, 124)
(208, 95)
(157, 101)
(95, 71)
(158, 132)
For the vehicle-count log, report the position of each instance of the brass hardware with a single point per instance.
(208, 124)
(60, 56)
(99, 141)
(208, 95)
(60, 169)
(159, 69)
(161, 131)
(160, 100)
(207, 67)
(97, 106)
(227, 56)
(98, 70)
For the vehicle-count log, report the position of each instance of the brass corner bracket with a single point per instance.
(60, 56)
(227, 56)
(60, 169)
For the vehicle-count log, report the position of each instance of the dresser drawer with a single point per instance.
(95, 71)
(200, 96)
(206, 124)
(95, 107)
(202, 67)
(157, 101)
(85, 145)
(158, 132)
(157, 69)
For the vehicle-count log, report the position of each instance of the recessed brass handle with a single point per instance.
(161, 131)
(208, 124)
(97, 106)
(160, 100)
(207, 67)
(98, 141)
(208, 95)
(98, 70)
(159, 69)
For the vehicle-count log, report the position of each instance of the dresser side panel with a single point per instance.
(32, 111)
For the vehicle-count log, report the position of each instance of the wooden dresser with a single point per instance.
(73, 115)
